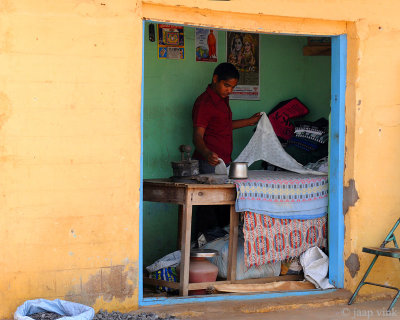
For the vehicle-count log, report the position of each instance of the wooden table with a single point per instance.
(188, 195)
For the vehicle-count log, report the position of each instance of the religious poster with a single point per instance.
(242, 50)
(206, 45)
(171, 42)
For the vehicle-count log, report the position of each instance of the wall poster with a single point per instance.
(171, 42)
(242, 50)
(206, 45)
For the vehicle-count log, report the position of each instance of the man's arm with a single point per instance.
(198, 140)
(253, 120)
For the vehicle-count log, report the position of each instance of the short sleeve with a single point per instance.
(202, 113)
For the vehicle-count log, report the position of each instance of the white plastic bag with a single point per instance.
(70, 310)
(170, 260)
(315, 265)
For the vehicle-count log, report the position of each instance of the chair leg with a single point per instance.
(362, 282)
(394, 301)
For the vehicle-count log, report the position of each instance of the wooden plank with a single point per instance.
(185, 251)
(206, 196)
(292, 277)
(157, 282)
(205, 285)
(164, 193)
(337, 139)
(168, 182)
(233, 240)
(277, 286)
(211, 186)
(180, 218)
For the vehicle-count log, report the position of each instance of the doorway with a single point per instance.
(180, 119)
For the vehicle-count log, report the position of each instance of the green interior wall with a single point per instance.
(170, 89)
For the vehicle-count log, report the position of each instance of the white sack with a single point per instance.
(264, 145)
(315, 265)
(69, 310)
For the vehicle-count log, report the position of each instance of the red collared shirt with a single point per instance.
(213, 113)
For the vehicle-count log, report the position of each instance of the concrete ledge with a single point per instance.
(244, 309)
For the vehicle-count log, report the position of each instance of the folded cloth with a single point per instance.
(268, 239)
(280, 115)
(316, 131)
(304, 144)
(282, 194)
(320, 138)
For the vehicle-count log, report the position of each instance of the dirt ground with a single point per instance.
(324, 306)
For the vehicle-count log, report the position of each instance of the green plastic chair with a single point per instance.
(381, 251)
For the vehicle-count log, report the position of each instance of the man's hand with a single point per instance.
(198, 141)
(212, 158)
(253, 120)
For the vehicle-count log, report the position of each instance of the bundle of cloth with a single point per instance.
(309, 143)
(305, 141)
(281, 115)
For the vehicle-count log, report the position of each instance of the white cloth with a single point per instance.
(170, 260)
(264, 145)
(315, 265)
(220, 168)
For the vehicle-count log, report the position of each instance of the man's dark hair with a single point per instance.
(226, 71)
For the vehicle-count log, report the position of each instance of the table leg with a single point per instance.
(180, 214)
(185, 249)
(233, 240)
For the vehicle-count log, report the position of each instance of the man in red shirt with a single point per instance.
(212, 119)
(212, 137)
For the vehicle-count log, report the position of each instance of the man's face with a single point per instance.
(224, 87)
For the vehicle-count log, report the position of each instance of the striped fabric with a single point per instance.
(283, 194)
(167, 274)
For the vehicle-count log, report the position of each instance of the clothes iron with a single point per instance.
(187, 167)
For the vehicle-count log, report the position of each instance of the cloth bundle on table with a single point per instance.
(282, 113)
(282, 194)
(285, 211)
(310, 141)
(285, 214)
(268, 240)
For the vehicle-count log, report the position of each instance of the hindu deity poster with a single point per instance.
(243, 51)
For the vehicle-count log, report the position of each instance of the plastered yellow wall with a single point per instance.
(70, 82)
(70, 89)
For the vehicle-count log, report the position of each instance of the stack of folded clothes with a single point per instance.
(281, 115)
(310, 141)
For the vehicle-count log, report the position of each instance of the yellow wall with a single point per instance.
(70, 87)
(70, 82)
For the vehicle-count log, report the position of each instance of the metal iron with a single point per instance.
(186, 167)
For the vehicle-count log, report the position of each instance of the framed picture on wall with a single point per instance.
(243, 51)
(206, 45)
(171, 42)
